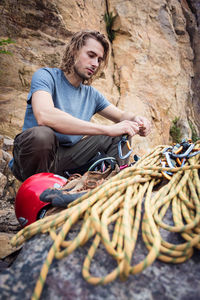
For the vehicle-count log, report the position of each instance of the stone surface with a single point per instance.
(8, 220)
(64, 280)
(193, 28)
(8, 188)
(3, 181)
(7, 146)
(8, 183)
(6, 248)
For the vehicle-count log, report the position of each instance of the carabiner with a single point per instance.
(185, 154)
(193, 154)
(124, 140)
(170, 162)
(167, 175)
(166, 149)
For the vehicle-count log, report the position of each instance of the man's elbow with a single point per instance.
(41, 119)
(41, 123)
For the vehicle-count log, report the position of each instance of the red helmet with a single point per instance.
(28, 207)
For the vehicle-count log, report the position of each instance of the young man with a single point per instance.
(60, 105)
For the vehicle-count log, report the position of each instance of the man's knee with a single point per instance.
(40, 137)
(43, 137)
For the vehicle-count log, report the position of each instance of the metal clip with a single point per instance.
(124, 140)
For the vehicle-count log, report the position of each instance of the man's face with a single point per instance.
(88, 59)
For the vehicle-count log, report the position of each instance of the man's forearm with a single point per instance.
(127, 116)
(63, 122)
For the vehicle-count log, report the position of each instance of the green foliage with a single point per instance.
(194, 132)
(175, 131)
(4, 43)
(109, 20)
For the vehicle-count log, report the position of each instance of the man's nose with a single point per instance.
(95, 62)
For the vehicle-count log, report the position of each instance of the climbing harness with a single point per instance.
(101, 161)
(117, 203)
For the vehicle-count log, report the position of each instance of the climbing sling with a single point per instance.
(117, 203)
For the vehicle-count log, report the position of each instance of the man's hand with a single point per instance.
(127, 122)
(130, 128)
(144, 125)
(142, 122)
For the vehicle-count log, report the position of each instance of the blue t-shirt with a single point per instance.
(82, 102)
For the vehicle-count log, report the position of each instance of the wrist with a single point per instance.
(128, 116)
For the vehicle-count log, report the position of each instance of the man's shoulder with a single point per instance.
(45, 79)
(46, 70)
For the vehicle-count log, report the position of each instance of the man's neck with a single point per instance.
(74, 80)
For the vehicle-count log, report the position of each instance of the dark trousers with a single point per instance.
(37, 150)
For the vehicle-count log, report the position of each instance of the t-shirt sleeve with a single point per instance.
(101, 102)
(42, 80)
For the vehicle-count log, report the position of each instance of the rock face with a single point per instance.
(64, 280)
(194, 32)
(8, 184)
(8, 188)
(154, 62)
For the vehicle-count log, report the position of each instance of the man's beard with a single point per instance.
(81, 75)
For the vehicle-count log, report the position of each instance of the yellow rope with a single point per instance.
(118, 204)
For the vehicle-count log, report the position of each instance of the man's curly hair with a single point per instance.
(78, 40)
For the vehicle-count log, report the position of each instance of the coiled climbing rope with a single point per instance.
(118, 201)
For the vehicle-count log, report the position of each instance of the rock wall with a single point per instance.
(193, 29)
(8, 188)
(154, 62)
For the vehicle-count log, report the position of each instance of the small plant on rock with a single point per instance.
(194, 132)
(175, 131)
(109, 20)
(3, 44)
